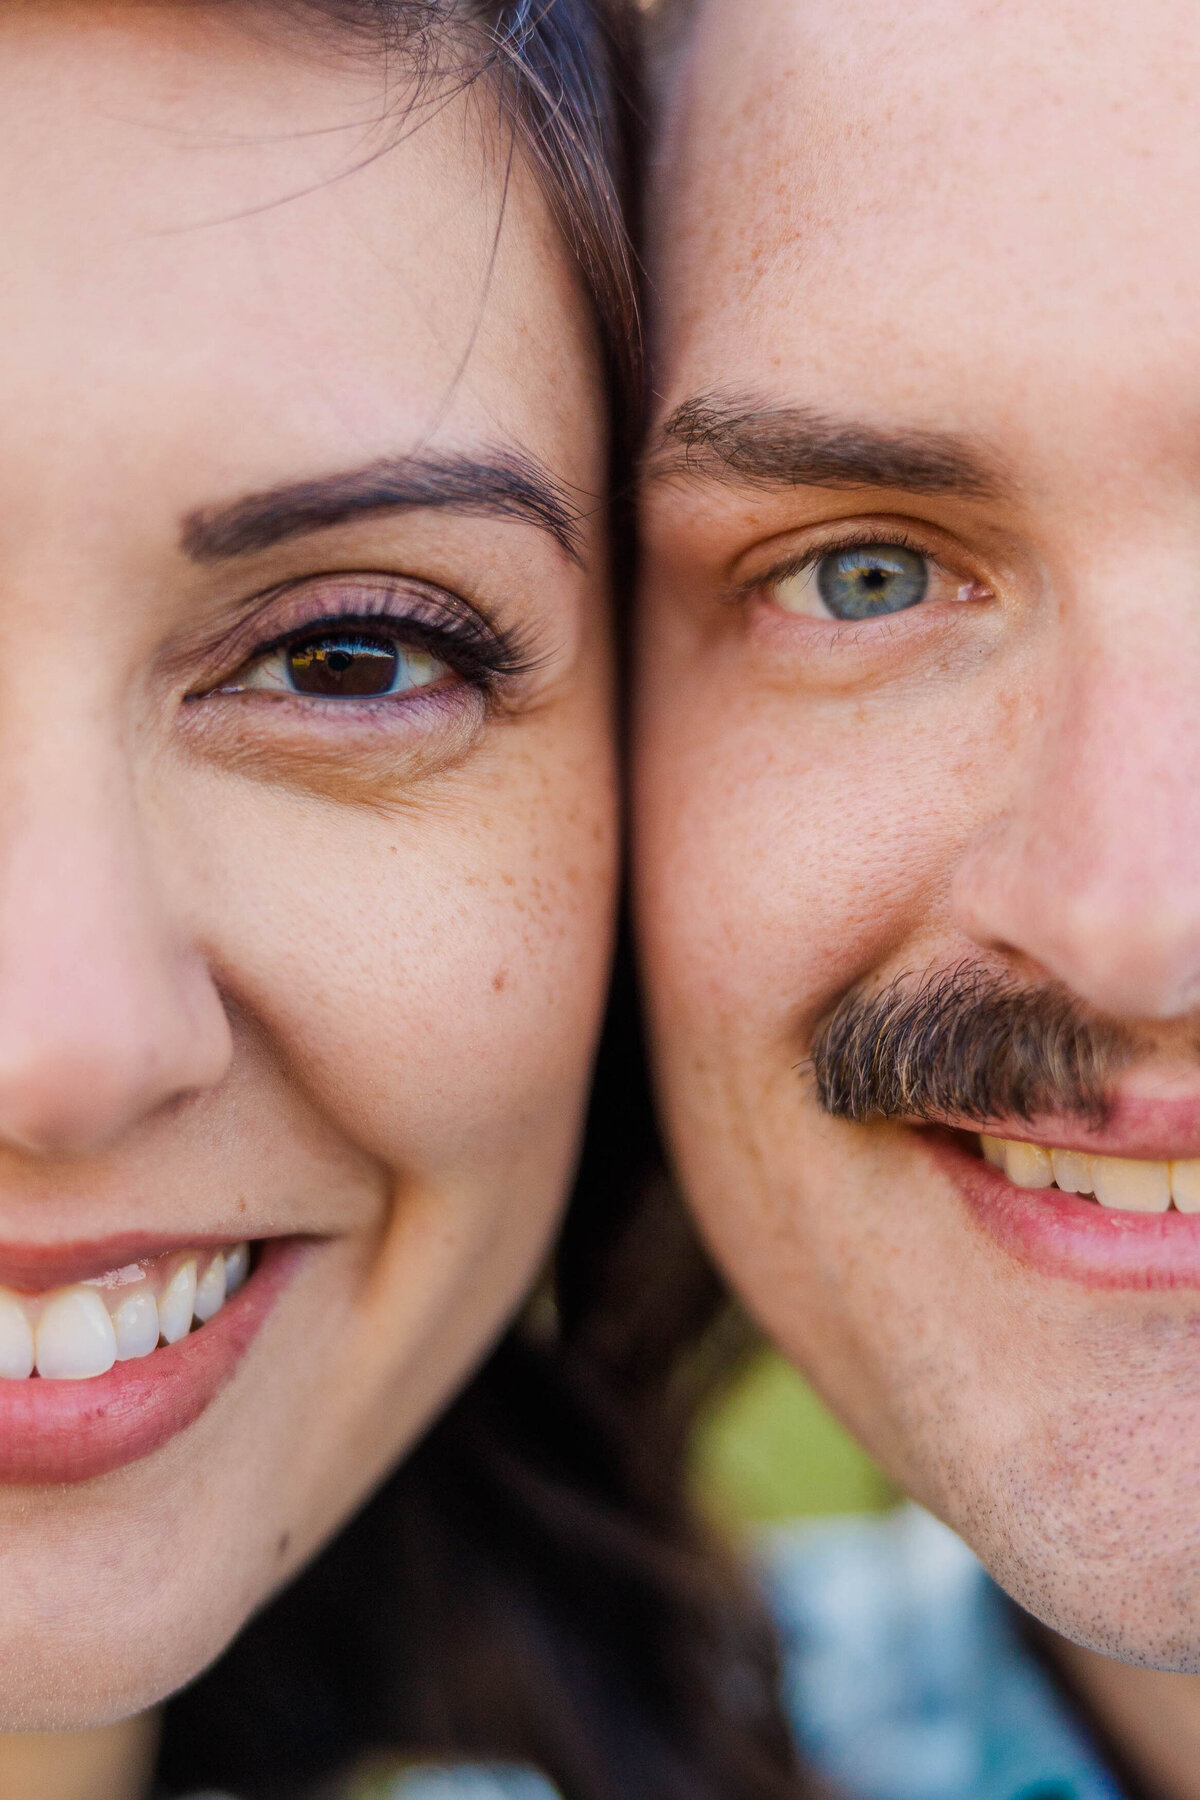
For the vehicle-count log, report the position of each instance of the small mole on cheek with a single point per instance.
(499, 981)
(284, 1545)
(241, 1205)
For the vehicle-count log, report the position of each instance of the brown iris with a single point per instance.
(343, 666)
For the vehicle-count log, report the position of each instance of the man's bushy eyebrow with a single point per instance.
(747, 443)
(501, 485)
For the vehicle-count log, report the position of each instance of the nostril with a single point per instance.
(58, 1106)
(75, 1084)
(1123, 946)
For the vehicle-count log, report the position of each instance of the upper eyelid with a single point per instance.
(432, 612)
(806, 559)
(383, 623)
(797, 560)
(433, 604)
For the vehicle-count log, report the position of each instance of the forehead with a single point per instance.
(947, 189)
(242, 248)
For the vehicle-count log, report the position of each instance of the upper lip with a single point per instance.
(1136, 1125)
(36, 1267)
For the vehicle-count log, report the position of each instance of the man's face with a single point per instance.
(919, 739)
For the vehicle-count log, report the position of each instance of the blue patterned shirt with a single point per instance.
(906, 1673)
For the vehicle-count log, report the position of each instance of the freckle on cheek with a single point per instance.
(499, 981)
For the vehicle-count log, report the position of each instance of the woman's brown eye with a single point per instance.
(341, 665)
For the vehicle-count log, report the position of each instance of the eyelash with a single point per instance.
(852, 539)
(484, 655)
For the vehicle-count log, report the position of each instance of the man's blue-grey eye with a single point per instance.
(864, 582)
(872, 579)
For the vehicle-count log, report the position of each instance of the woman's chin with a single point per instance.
(115, 1646)
(127, 1575)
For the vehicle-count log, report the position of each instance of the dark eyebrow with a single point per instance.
(740, 442)
(500, 485)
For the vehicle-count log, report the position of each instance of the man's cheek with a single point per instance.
(823, 875)
(850, 839)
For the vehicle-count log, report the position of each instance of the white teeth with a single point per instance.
(1029, 1166)
(135, 1323)
(16, 1339)
(210, 1290)
(1072, 1172)
(1185, 1186)
(237, 1267)
(76, 1332)
(75, 1336)
(1131, 1186)
(1121, 1183)
(177, 1303)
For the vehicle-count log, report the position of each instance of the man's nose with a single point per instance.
(108, 1012)
(1093, 871)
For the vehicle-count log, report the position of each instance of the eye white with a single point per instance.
(800, 593)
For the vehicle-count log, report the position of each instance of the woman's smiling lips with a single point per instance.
(64, 1429)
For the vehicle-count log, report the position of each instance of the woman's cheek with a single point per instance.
(440, 980)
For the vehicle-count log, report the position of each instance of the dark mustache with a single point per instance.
(970, 1045)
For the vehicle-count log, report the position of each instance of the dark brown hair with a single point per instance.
(530, 1586)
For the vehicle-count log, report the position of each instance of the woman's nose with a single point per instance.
(1093, 871)
(108, 1011)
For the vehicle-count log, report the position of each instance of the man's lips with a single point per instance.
(1146, 1128)
(1067, 1235)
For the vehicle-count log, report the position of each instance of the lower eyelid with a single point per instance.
(370, 751)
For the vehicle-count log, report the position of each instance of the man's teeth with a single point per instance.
(79, 1331)
(1119, 1182)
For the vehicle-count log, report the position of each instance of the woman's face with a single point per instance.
(306, 804)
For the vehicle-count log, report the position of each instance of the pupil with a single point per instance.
(343, 667)
(866, 582)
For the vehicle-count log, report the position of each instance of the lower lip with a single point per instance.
(1064, 1235)
(61, 1431)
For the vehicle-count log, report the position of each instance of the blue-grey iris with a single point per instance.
(872, 579)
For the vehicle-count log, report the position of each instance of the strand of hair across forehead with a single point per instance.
(558, 59)
(566, 74)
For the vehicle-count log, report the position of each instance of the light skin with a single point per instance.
(931, 280)
(271, 965)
